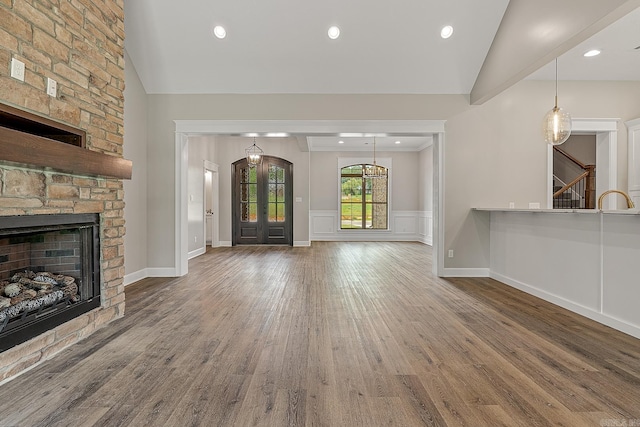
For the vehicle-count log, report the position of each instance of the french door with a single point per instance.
(262, 202)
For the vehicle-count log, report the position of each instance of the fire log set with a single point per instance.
(28, 291)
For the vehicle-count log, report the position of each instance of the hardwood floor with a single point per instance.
(339, 334)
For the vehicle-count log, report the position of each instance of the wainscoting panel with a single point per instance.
(412, 226)
(323, 223)
(404, 223)
(425, 227)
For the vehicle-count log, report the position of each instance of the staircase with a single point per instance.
(566, 199)
(580, 192)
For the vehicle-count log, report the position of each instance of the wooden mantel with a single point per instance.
(29, 140)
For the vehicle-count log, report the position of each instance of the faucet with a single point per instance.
(630, 204)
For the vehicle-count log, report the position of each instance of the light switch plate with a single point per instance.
(17, 69)
(52, 87)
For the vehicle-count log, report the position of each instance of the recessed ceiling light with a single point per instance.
(397, 142)
(341, 142)
(446, 32)
(592, 52)
(334, 32)
(219, 31)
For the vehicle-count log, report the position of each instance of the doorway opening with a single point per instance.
(574, 173)
(211, 200)
(606, 165)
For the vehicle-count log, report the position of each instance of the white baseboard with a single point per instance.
(196, 253)
(587, 312)
(363, 237)
(148, 272)
(427, 240)
(465, 272)
(227, 244)
(135, 276)
(404, 226)
(162, 272)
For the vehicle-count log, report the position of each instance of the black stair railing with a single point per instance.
(580, 192)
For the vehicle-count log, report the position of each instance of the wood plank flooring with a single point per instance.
(339, 334)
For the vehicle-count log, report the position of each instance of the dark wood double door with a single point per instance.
(262, 202)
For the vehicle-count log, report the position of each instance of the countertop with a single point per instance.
(563, 211)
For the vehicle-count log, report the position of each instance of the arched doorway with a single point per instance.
(262, 208)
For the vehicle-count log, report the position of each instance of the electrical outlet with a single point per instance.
(195, 239)
(17, 69)
(52, 87)
(534, 205)
(512, 205)
(450, 253)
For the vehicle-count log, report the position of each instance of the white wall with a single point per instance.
(325, 176)
(224, 150)
(494, 154)
(164, 109)
(199, 149)
(483, 145)
(135, 190)
(582, 147)
(404, 197)
(425, 195)
(584, 262)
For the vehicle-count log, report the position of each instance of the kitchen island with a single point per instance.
(587, 261)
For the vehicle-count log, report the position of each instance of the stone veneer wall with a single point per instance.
(80, 44)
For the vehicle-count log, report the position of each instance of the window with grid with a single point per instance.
(363, 200)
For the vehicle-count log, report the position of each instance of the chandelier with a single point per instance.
(254, 154)
(556, 126)
(374, 171)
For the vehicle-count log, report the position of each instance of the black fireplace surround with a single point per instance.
(51, 264)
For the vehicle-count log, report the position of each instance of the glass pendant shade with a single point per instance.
(254, 154)
(556, 126)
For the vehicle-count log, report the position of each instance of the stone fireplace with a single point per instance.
(63, 154)
(61, 238)
(49, 273)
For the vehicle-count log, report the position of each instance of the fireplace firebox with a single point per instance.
(49, 272)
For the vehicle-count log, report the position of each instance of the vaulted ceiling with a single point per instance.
(282, 46)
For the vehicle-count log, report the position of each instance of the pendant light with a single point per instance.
(556, 126)
(254, 154)
(374, 171)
